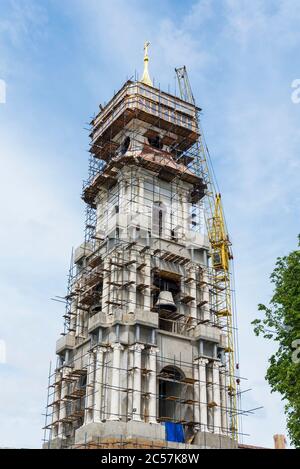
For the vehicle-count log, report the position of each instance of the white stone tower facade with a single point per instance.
(143, 355)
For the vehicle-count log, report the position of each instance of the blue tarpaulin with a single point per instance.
(174, 432)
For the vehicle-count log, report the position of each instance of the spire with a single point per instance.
(146, 77)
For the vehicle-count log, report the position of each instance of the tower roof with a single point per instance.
(137, 100)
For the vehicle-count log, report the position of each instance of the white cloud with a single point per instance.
(23, 20)
(274, 23)
(38, 227)
(128, 25)
(22, 25)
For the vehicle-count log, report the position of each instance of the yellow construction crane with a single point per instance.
(220, 252)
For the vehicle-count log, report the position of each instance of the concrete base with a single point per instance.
(142, 435)
(56, 443)
(119, 431)
(213, 441)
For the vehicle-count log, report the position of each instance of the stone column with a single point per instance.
(63, 402)
(210, 417)
(181, 218)
(89, 401)
(137, 381)
(106, 286)
(205, 296)
(152, 385)
(78, 322)
(73, 317)
(224, 416)
(134, 193)
(115, 383)
(122, 204)
(132, 288)
(203, 393)
(141, 182)
(130, 364)
(101, 201)
(147, 281)
(196, 395)
(56, 399)
(193, 293)
(216, 397)
(114, 292)
(98, 384)
(186, 213)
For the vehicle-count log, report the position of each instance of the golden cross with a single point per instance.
(146, 45)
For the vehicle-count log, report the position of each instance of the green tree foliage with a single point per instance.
(281, 323)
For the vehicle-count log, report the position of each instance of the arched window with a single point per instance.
(125, 145)
(158, 219)
(155, 142)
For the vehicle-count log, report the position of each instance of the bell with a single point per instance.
(165, 301)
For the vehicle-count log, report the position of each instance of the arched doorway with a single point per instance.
(170, 394)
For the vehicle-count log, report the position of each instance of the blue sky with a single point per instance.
(60, 60)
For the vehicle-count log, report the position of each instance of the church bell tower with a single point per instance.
(142, 360)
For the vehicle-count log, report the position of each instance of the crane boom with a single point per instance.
(220, 253)
(184, 85)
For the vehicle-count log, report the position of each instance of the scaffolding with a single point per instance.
(146, 230)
